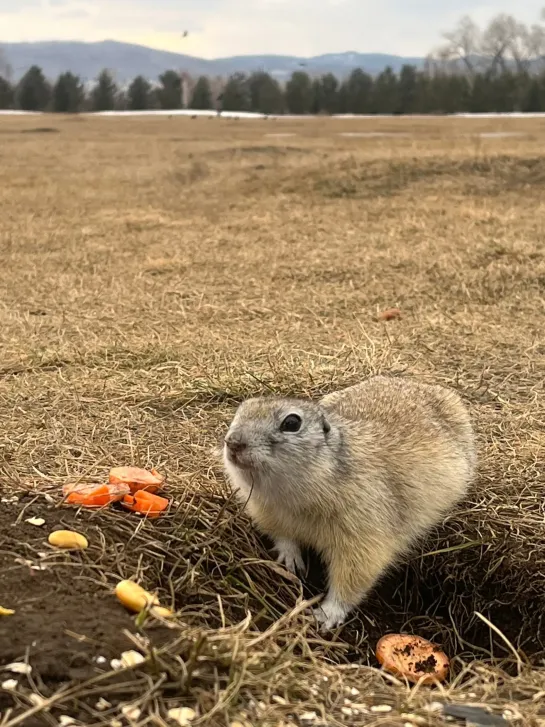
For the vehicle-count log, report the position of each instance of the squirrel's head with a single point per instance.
(273, 438)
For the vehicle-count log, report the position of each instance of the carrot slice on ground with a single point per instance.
(94, 495)
(413, 658)
(136, 478)
(145, 503)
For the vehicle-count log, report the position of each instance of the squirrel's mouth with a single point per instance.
(239, 459)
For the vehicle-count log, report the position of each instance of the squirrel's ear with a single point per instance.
(326, 426)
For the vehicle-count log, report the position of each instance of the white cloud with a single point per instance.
(233, 27)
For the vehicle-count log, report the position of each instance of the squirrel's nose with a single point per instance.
(234, 444)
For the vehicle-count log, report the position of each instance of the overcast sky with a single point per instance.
(234, 27)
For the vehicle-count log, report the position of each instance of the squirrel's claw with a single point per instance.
(289, 555)
(330, 613)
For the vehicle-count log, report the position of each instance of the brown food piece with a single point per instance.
(412, 658)
(389, 314)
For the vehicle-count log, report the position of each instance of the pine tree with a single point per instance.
(68, 94)
(316, 90)
(265, 94)
(299, 96)
(325, 92)
(480, 99)
(534, 99)
(104, 93)
(139, 94)
(201, 97)
(407, 90)
(358, 91)
(236, 94)
(6, 94)
(507, 91)
(424, 93)
(170, 92)
(33, 92)
(385, 93)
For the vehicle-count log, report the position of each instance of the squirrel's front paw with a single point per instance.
(289, 555)
(330, 613)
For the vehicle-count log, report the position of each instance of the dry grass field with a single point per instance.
(154, 273)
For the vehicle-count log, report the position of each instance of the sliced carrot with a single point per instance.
(413, 658)
(94, 495)
(136, 478)
(145, 503)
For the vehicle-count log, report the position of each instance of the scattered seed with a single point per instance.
(102, 704)
(131, 712)
(19, 667)
(6, 611)
(309, 716)
(131, 658)
(182, 715)
(38, 521)
(10, 685)
(279, 700)
(65, 720)
(381, 708)
(415, 719)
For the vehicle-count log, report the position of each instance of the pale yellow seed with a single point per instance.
(68, 539)
(6, 611)
(182, 715)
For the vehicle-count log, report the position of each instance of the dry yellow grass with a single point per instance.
(157, 271)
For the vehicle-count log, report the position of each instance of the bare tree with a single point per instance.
(536, 43)
(507, 40)
(462, 44)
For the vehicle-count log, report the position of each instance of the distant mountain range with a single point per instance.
(127, 61)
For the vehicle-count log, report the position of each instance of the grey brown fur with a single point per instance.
(372, 469)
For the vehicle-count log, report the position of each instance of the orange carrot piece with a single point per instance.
(145, 503)
(136, 478)
(94, 495)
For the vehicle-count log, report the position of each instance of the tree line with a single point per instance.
(411, 91)
(500, 68)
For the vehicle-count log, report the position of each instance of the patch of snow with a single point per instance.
(371, 133)
(499, 134)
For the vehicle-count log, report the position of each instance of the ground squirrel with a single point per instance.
(359, 476)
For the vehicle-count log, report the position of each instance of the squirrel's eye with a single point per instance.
(292, 423)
